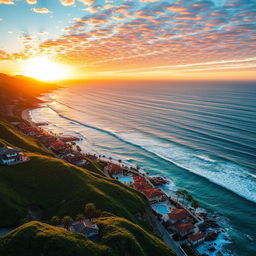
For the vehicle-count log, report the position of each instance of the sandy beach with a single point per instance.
(25, 115)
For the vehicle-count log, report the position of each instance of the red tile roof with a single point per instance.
(178, 214)
(114, 168)
(141, 186)
(196, 236)
(139, 179)
(58, 145)
(184, 227)
(153, 192)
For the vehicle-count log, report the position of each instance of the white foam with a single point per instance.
(224, 173)
(219, 244)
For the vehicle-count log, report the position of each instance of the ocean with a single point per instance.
(199, 135)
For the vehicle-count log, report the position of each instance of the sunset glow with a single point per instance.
(148, 39)
(44, 69)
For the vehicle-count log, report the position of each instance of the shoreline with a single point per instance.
(25, 115)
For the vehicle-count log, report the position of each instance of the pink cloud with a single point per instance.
(31, 1)
(87, 2)
(42, 33)
(67, 2)
(6, 2)
(41, 10)
(176, 8)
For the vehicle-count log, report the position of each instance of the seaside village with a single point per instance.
(177, 217)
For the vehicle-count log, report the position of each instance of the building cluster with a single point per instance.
(151, 192)
(114, 169)
(180, 221)
(60, 145)
(187, 226)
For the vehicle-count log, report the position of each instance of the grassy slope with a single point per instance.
(118, 237)
(126, 238)
(58, 187)
(36, 238)
(10, 136)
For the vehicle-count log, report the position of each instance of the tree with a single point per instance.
(119, 161)
(78, 148)
(110, 158)
(178, 193)
(79, 217)
(67, 221)
(55, 220)
(184, 193)
(195, 204)
(90, 210)
(97, 213)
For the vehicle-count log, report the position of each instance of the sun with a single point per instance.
(43, 68)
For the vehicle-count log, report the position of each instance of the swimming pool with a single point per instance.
(125, 179)
(161, 208)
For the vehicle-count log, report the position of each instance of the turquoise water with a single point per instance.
(126, 180)
(200, 136)
(161, 208)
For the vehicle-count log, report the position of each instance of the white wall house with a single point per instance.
(9, 155)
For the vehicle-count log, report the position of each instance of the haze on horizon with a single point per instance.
(148, 39)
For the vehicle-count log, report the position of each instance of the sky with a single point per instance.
(149, 39)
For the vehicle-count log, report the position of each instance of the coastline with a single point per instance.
(27, 117)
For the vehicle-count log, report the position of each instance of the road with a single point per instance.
(167, 238)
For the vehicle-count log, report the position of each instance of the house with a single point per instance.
(141, 186)
(139, 179)
(184, 228)
(154, 194)
(196, 238)
(58, 146)
(177, 215)
(86, 227)
(9, 155)
(114, 169)
(74, 158)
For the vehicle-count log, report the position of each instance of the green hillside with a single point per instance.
(122, 237)
(59, 188)
(10, 136)
(119, 237)
(36, 238)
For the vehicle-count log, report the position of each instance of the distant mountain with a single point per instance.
(22, 86)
